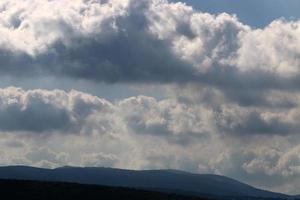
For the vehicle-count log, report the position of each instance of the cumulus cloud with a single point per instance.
(45, 111)
(274, 162)
(238, 120)
(31, 112)
(101, 41)
(145, 41)
(166, 118)
(48, 111)
(57, 111)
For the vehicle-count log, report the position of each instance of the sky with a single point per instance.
(207, 86)
(256, 13)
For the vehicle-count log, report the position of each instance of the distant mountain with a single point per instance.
(36, 190)
(157, 180)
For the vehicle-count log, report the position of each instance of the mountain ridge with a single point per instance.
(154, 180)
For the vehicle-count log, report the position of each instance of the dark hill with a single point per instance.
(155, 180)
(37, 190)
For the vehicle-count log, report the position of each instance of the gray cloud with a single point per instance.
(40, 111)
(247, 121)
(146, 41)
(45, 111)
(35, 115)
(177, 120)
(115, 48)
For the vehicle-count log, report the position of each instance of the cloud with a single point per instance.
(45, 157)
(88, 40)
(233, 119)
(60, 112)
(177, 120)
(31, 113)
(39, 111)
(143, 132)
(145, 41)
(274, 162)
(99, 160)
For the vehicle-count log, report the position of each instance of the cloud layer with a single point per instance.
(57, 128)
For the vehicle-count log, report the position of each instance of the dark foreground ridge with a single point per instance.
(37, 190)
(20, 189)
(166, 181)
